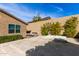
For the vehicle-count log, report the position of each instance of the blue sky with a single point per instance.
(26, 11)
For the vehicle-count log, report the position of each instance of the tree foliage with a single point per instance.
(36, 18)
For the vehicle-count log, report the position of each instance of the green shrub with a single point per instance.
(45, 28)
(69, 32)
(9, 38)
(70, 27)
(54, 28)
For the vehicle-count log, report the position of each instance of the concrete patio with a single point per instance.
(19, 47)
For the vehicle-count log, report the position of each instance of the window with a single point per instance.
(11, 28)
(17, 28)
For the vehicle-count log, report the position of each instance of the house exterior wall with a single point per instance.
(5, 20)
(36, 26)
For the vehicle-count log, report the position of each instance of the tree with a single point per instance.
(36, 18)
(70, 27)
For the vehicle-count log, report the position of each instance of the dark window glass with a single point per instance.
(17, 28)
(11, 28)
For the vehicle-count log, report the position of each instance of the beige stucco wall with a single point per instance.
(36, 26)
(5, 20)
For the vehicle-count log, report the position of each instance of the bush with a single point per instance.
(9, 38)
(54, 29)
(69, 32)
(45, 28)
(70, 27)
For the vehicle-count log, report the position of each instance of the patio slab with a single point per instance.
(19, 47)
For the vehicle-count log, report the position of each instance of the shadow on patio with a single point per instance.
(55, 48)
